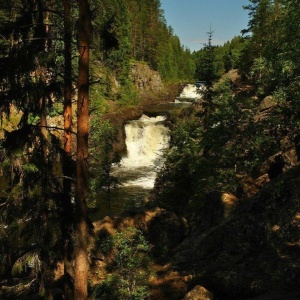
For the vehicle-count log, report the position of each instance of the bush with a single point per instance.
(130, 271)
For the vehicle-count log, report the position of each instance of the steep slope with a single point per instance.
(254, 251)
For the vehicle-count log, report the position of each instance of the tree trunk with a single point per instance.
(81, 259)
(44, 148)
(41, 75)
(67, 81)
(67, 165)
(67, 159)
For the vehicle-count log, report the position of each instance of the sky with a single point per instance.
(192, 19)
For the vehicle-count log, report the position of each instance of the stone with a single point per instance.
(147, 81)
(230, 202)
(267, 103)
(145, 78)
(216, 207)
(198, 293)
(239, 258)
(166, 231)
(251, 186)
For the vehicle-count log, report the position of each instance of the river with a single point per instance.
(146, 140)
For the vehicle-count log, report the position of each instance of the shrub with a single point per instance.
(130, 271)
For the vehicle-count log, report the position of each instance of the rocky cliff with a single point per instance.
(147, 81)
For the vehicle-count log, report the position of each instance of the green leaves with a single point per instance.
(30, 168)
(129, 252)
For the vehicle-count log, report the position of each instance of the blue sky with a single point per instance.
(191, 20)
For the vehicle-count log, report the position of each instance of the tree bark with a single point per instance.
(67, 80)
(67, 165)
(81, 259)
(67, 159)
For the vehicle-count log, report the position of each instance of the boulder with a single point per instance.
(267, 103)
(198, 293)
(216, 207)
(146, 79)
(166, 231)
(251, 186)
(264, 109)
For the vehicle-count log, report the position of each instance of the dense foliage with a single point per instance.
(250, 118)
(30, 81)
(130, 267)
(213, 61)
(42, 46)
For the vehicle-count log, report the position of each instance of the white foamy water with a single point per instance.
(146, 139)
(145, 182)
(190, 93)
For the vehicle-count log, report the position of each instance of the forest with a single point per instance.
(223, 218)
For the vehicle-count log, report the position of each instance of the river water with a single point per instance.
(146, 140)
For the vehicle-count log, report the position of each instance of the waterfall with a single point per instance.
(146, 139)
(191, 93)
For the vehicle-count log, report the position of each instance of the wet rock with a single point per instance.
(118, 120)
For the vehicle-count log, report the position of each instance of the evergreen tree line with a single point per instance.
(213, 61)
(238, 134)
(137, 30)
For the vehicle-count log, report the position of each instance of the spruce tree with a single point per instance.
(205, 66)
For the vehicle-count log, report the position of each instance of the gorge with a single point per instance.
(146, 140)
